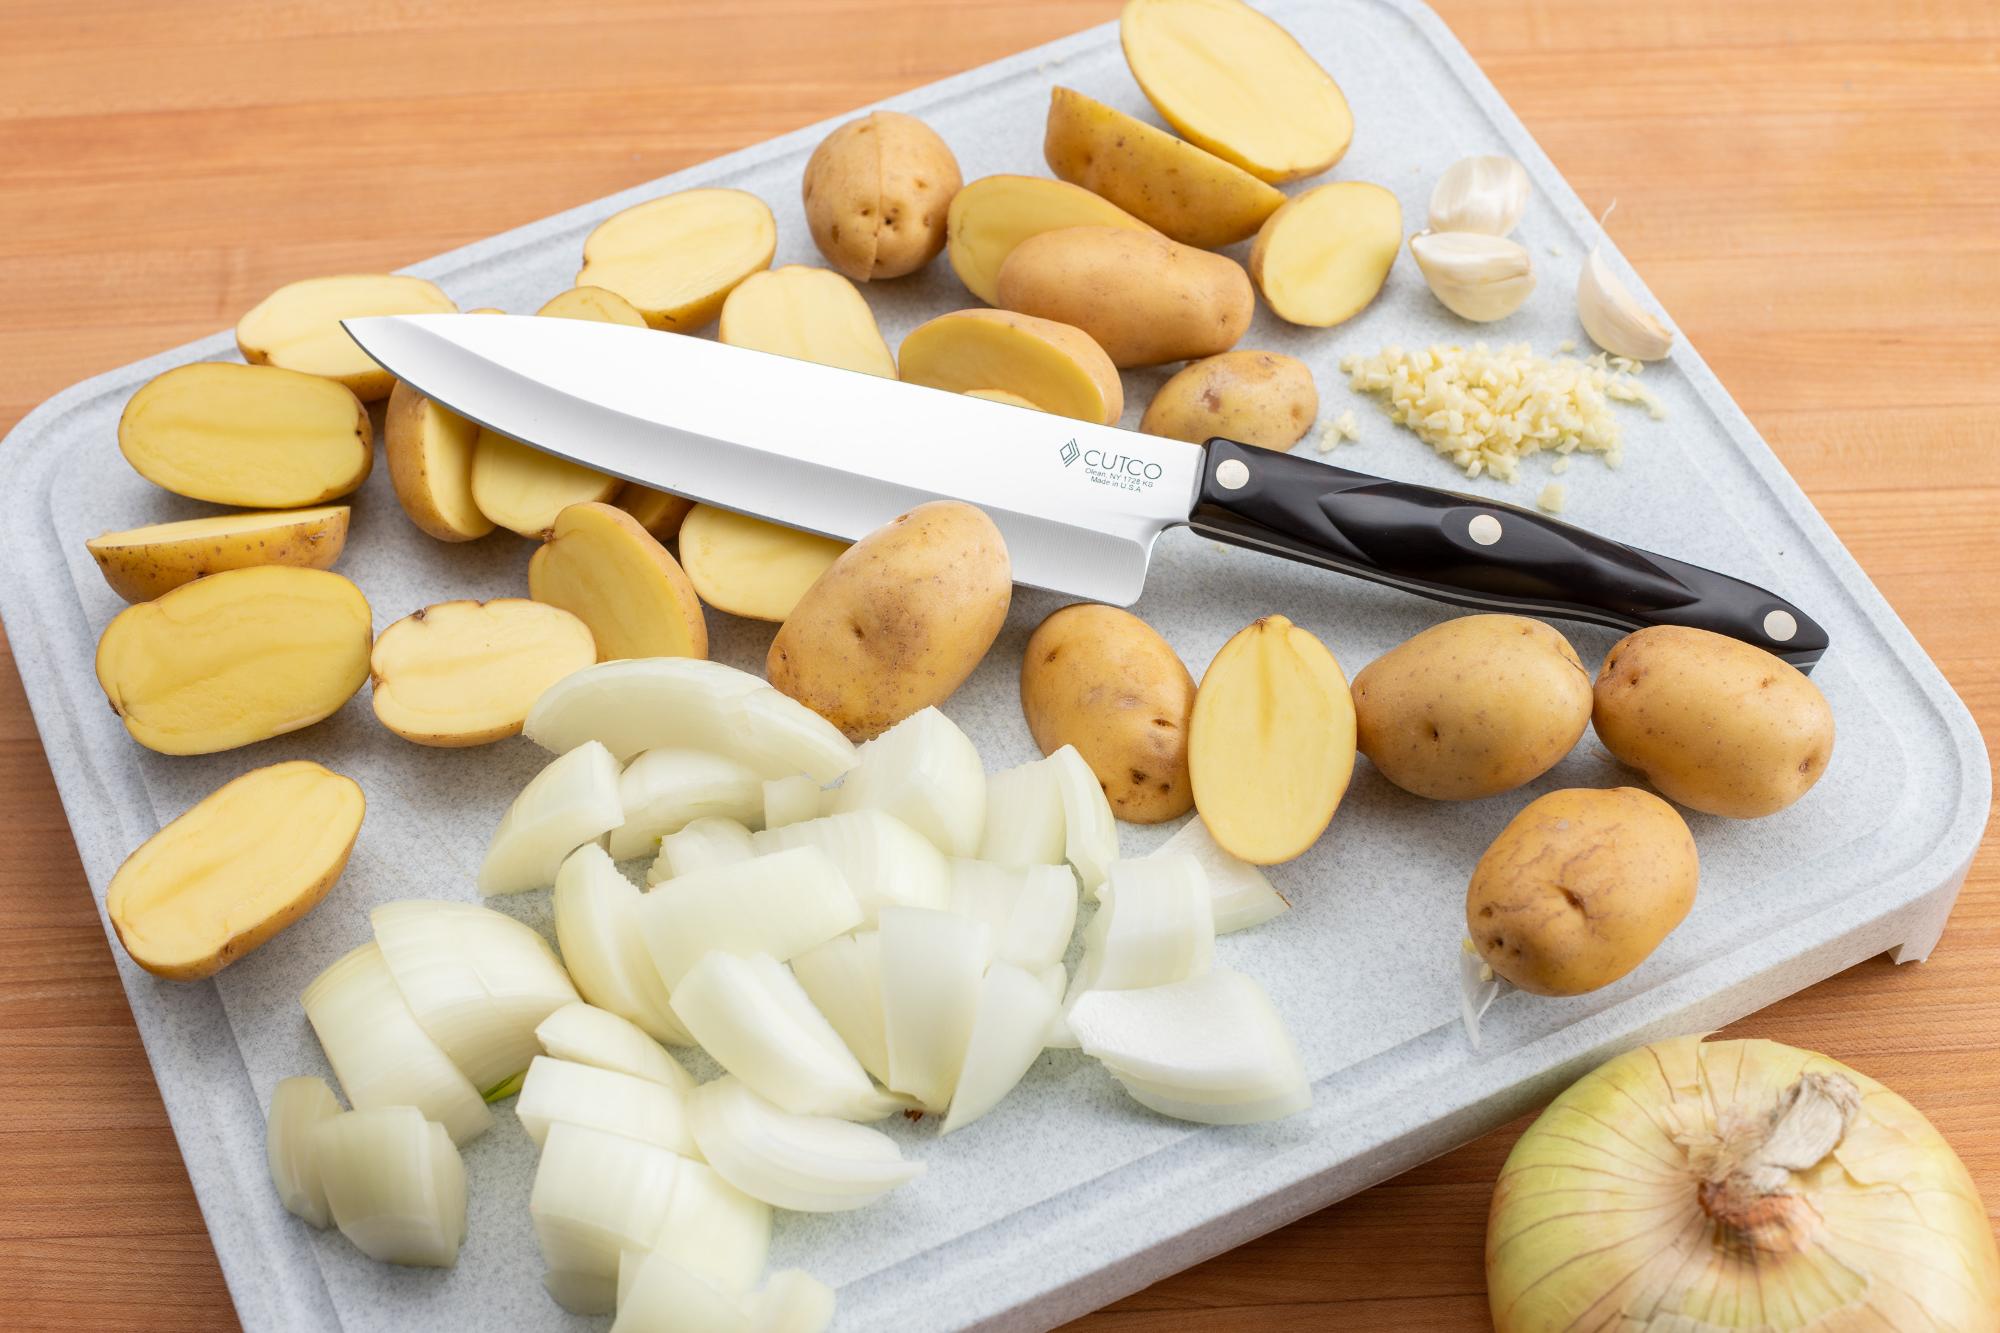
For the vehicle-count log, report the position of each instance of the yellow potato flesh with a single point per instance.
(594, 304)
(246, 861)
(808, 314)
(1235, 83)
(430, 463)
(1053, 366)
(254, 436)
(657, 512)
(143, 563)
(298, 326)
(991, 216)
(676, 258)
(1002, 396)
(751, 568)
(523, 489)
(234, 658)
(602, 567)
(466, 673)
(1270, 742)
(1322, 257)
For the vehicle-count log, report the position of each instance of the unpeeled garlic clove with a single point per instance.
(1477, 277)
(1613, 317)
(1480, 194)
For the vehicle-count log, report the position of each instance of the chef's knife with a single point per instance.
(1080, 505)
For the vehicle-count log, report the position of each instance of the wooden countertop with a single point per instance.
(1812, 189)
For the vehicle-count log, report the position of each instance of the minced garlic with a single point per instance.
(1550, 501)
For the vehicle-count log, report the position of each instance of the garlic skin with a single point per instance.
(1613, 317)
(1480, 194)
(1477, 277)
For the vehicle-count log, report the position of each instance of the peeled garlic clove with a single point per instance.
(1476, 277)
(1613, 317)
(1480, 194)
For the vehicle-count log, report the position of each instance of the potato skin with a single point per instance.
(1472, 707)
(876, 191)
(1719, 725)
(1144, 298)
(898, 622)
(1580, 888)
(1103, 680)
(1263, 398)
(172, 555)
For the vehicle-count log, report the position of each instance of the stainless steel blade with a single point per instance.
(832, 451)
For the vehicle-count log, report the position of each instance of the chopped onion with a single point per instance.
(781, 736)
(582, 1293)
(1056, 981)
(1030, 910)
(792, 1301)
(1024, 817)
(597, 1037)
(597, 929)
(660, 1296)
(379, 1052)
(843, 979)
(716, 1230)
(297, 1105)
(1240, 894)
(925, 772)
(561, 1092)
(781, 905)
(791, 800)
(395, 1185)
(703, 844)
(597, 1195)
(1154, 926)
(572, 801)
(1090, 833)
(931, 966)
(1478, 987)
(884, 861)
(808, 1163)
(664, 790)
(1009, 1029)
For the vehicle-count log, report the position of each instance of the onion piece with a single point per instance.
(792, 1301)
(703, 844)
(1008, 1031)
(1240, 894)
(562, 1092)
(781, 736)
(807, 1163)
(597, 929)
(791, 800)
(660, 1296)
(1030, 910)
(1024, 817)
(569, 803)
(1478, 987)
(597, 1195)
(1090, 833)
(716, 1230)
(581, 1293)
(884, 861)
(380, 1054)
(925, 772)
(932, 963)
(1056, 981)
(297, 1105)
(1154, 926)
(843, 979)
(588, 1035)
(781, 905)
(664, 790)
(395, 1185)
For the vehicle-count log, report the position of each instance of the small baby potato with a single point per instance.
(430, 453)
(1719, 725)
(1103, 680)
(143, 563)
(1580, 888)
(751, 568)
(298, 326)
(677, 258)
(658, 512)
(523, 489)
(1472, 707)
(602, 567)
(1055, 367)
(996, 213)
(1321, 258)
(594, 305)
(1144, 299)
(876, 191)
(466, 673)
(808, 314)
(1262, 398)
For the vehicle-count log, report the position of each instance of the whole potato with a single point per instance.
(876, 191)
(1580, 887)
(1472, 707)
(1717, 724)
(898, 621)
(1103, 680)
(1144, 298)
(1261, 398)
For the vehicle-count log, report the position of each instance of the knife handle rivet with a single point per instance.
(1484, 529)
(1232, 474)
(1780, 626)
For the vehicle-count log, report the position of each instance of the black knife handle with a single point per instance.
(1476, 552)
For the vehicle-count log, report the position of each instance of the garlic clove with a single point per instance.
(1480, 194)
(1613, 317)
(1477, 277)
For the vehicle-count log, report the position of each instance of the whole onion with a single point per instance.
(1694, 1187)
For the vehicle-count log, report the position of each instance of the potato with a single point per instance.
(1270, 742)
(809, 314)
(1143, 298)
(430, 452)
(1235, 83)
(996, 213)
(614, 576)
(594, 305)
(1191, 196)
(751, 568)
(1719, 725)
(234, 869)
(1580, 887)
(1472, 707)
(523, 489)
(235, 658)
(1103, 680)
(1002, 396)
(1322, 257)
(657, 512)
(255, 436)
(143, 563)
(676, 258)
(1055, 367)
(466, 673)
(898, 622)
(297, 327)
(1261, 398)
(876, 192)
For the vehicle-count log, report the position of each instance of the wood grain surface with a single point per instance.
(1813, 189)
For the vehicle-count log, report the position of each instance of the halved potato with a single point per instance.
(235, 658)
(751, 568)
(594, 304)
(1053, 366)
(523, 489)
(658, 512)
(602, 567)
(143, 563)
(298, 326)
(809, 314)
(234, 869)
(255, 436)
(991, 216)
(1002, 396)
(677, 258)
(430, 464)
(1321, 258)
(466, 673)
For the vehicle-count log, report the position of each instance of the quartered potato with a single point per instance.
(430, 463)
(875, 194)
(657, 512)
(614, 576)
(466, 673)
(751, 568)
(677, 257)
(996, 213)
(594, 304)
(1322, 257)
(1052, 366)
(255, 436)
(298, 326)
(1262, 398)
(808, 314)
(523, 489)
(143, 563)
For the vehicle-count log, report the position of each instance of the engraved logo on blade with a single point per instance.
(1123, 472)
(1069, 453)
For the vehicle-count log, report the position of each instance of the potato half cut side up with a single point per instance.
(602, 567)
(298, 326)
(143, 563)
